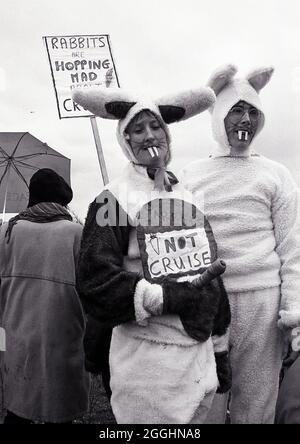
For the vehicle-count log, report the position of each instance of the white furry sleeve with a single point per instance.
(286, 220)
(148, 301)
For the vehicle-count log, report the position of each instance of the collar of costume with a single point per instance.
(163, 179)
(40, 213)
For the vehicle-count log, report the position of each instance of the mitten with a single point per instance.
(196, 307)
(223, 371)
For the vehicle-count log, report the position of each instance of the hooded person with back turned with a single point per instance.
(43, 365)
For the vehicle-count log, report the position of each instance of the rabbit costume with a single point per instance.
(252, 205)
(162, 356)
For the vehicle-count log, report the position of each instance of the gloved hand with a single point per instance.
(223, 371)
(197, 307)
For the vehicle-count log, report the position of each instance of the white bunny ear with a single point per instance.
(183, 105)
(260, 77)
(107, 103)
(221, 77)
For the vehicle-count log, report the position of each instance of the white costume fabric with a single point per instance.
(252, 204)
(149, 383)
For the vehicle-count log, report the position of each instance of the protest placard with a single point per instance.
(79, 61)
(174, 239)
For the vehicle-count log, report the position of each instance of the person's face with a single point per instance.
(147, 139)
(241, 124)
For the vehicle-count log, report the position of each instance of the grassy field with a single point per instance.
(99, 410)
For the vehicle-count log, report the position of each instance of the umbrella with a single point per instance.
(21, 155)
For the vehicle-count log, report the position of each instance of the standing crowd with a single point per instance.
(182, 291)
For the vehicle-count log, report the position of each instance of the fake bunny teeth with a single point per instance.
(153, 151)
(243, 135)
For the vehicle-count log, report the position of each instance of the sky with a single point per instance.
(159, 46)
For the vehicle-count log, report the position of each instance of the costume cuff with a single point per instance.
(148, 301)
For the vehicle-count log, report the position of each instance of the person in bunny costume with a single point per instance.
(137, 265)
(252, 205)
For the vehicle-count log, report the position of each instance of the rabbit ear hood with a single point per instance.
(124, 106)
(230, 90)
